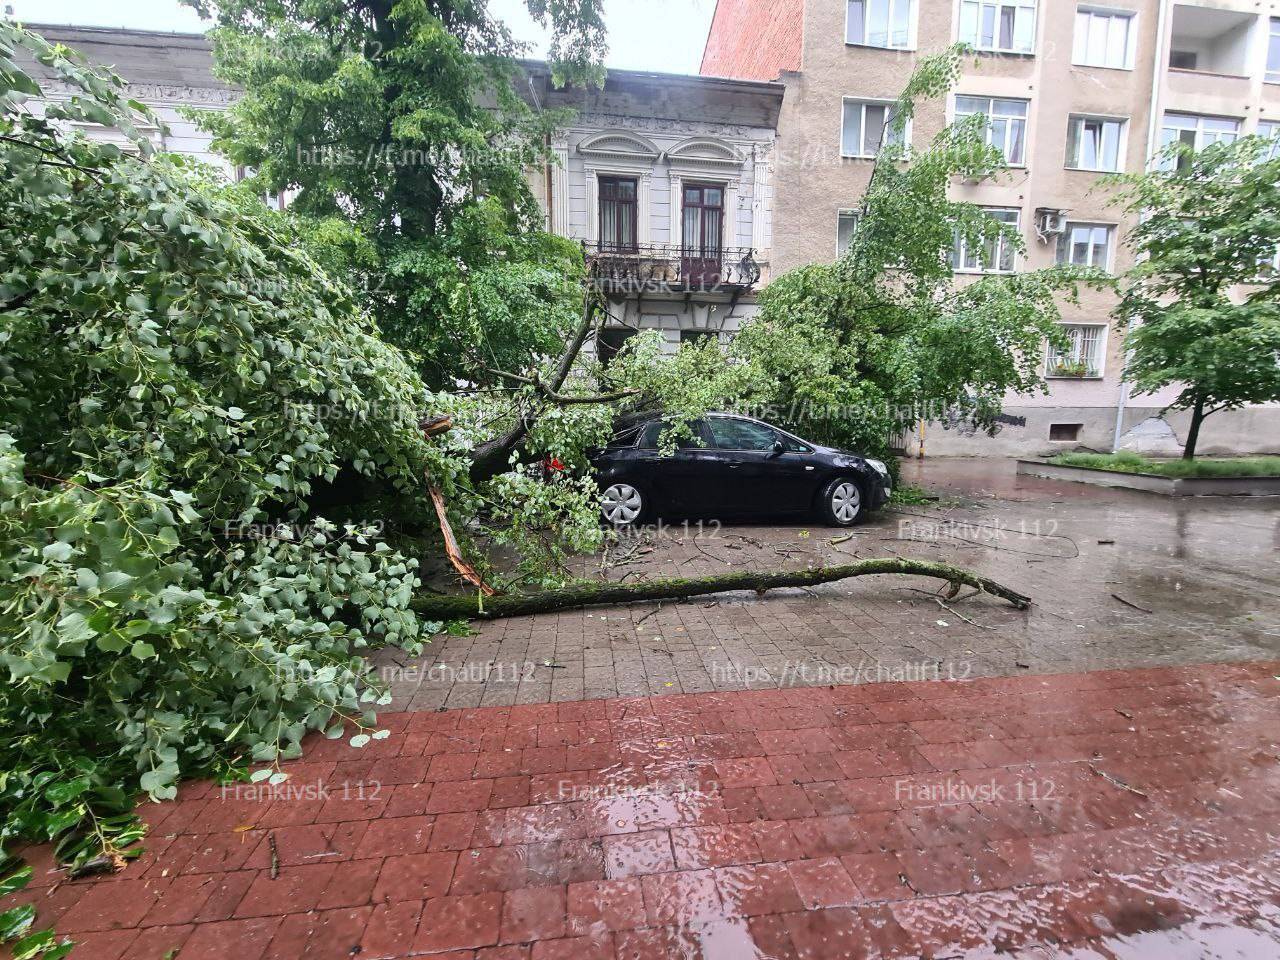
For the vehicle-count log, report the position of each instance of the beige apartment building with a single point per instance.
(1072, 90)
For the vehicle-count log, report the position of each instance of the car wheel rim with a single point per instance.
(621, 503)
(846, 501)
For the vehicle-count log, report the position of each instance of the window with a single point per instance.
(728, 433)
(1270, 130)
(617, 213)
(651, 435)
(1183, 59)
(610, 340)
(1273, 52)
(697, 337)
(996, 255)
(1195, 132)
(1008, 26)
(1069, 432)
(1093, 143)
(1103, 38)
(846, 224)
(1086, 245)
(1006, 124)
(1083, 356)
(865, 126)
(879, 23)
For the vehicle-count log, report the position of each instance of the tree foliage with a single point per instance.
(1204, 296)
(178, 388)
(407, 120)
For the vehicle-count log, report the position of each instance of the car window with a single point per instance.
(793, 445)
(651, 435)
(730, 434)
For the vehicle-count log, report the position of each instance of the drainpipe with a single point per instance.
(1153, 125)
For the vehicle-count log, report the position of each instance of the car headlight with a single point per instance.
(878, 466)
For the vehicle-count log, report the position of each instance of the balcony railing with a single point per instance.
(668, 268)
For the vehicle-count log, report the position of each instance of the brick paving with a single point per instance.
(1115, 813)
(1202, 575)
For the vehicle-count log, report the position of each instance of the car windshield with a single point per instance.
(731, 434)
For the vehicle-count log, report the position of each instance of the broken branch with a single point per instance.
(437, 607)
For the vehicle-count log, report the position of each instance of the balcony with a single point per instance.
(668, 268)
(1205, 40)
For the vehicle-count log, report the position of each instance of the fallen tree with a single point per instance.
(583, 594)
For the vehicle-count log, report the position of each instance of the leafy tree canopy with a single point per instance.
(1204, 297)
(406, 119)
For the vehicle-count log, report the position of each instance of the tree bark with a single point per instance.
(1193, 435)
(591, 593)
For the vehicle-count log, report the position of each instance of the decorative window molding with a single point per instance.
(614, 146)
(705, 153)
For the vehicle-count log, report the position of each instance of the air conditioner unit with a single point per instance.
(1050, 223)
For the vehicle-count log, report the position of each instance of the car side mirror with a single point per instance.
(778, 448)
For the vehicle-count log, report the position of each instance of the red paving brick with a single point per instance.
(875, 820)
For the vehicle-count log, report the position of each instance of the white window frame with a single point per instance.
(991, 115)
(1019, 7)
(1064, 243)
(1079, 51)
(841, 215)
(1122, 142)
(1270, 130)
(1273, 35)
(1203, 137)
(1100, 364)
(893, 5)
(960, 249)
(865, 102)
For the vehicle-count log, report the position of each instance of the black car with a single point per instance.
(733, 467)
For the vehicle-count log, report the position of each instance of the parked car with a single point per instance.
(734, 466)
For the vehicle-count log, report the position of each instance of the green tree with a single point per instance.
(1203, 300)
(406, 120)
(852, 352)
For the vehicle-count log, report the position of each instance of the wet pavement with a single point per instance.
(1111, 814)
(1119, 578)
(731, 777)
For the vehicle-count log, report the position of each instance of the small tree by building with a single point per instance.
(1203, 300)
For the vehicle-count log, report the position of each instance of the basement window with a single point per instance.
(1065, 432)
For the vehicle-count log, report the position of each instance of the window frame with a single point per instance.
(863, 103)
(1099, 368)
(912, 7)
(1065, 243)
(1017, 5)
(1270, 75)
(1199, 131)
(842, 214)
(1131, 38)
(960, 249)
(1122, 141)
(991, 116)
(615, 178)
(1272, 133)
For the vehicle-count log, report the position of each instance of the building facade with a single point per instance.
(664, 179)
(1072, 91)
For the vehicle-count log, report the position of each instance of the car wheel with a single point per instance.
(622, 504)
(843, 502)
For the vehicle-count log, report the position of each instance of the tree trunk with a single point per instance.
(1193, 435)
(590, 593)
(492, 457)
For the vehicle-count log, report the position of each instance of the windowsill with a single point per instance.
(1102, 66)
(994, 52)
(858, 156)
(1089, 170)
(874, 46)
(983, 273)
(1064, 376)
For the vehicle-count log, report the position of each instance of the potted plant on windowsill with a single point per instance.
(1074, 369)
